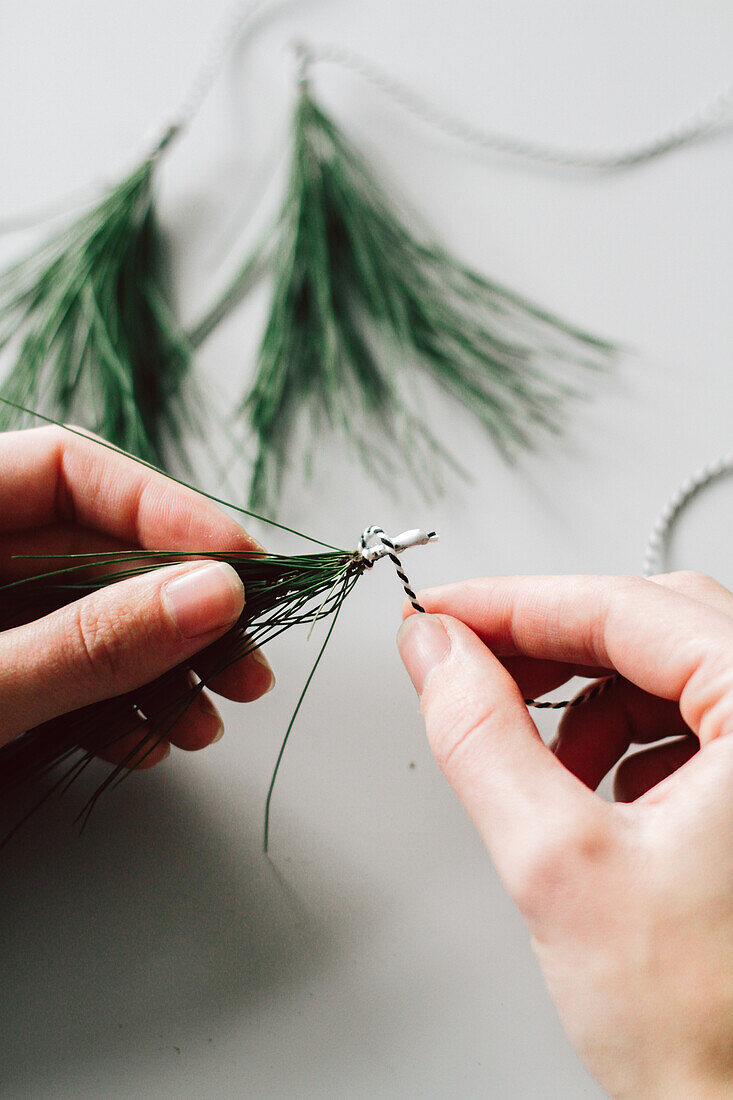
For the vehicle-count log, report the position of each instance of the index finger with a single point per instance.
(667, 643)
(49, 475)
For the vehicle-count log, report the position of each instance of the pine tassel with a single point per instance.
(356, 294)
(96, 341)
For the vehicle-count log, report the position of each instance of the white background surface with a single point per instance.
(160, 954)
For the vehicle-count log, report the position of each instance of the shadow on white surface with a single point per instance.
(144, 934)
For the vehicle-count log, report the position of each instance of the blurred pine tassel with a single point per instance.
(94, 337)
(356, 294)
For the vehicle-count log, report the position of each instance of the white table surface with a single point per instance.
(160, 955)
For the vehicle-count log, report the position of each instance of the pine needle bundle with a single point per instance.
(357, 294)
(93, 335)
(282, 592)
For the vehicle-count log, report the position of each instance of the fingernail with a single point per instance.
(204, 599)
(423, 643)
(258, 656)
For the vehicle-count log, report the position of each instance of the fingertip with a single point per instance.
(423, 643)
(199, 727)
(261, 672)
(247, 680)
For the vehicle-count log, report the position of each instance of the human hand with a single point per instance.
(630, 905)
(61, 493)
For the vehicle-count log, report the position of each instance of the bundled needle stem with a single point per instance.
(282, 592)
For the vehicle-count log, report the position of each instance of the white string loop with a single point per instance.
(656, 549)
(690, 129)
(231, 26)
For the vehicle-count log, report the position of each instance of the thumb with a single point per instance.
(517, 793)
(113, 641)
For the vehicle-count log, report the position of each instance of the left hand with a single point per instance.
(61, 493)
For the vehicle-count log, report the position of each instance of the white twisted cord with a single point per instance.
(656, 549)
(688, 130)
(232, 23)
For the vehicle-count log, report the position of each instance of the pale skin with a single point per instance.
(629, 904)
(60, 493)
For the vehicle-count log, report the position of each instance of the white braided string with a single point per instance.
(690, 129)
(656, 549)
(231, 26)
(228, 31)
(711, 115)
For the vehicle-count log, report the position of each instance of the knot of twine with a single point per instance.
(375, 544)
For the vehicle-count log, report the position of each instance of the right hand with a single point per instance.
(630, 906)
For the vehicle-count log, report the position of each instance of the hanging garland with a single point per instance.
(95, 338)
(91, 326)
(357, 293)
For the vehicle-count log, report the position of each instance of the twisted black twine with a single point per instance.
(391, 553)
(592, 692)
(375, 532)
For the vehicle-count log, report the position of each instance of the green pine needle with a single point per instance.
(357, 294)
(92, 332)
(282, 592)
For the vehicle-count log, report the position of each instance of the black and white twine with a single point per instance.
(389, 548)
(591, 692)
